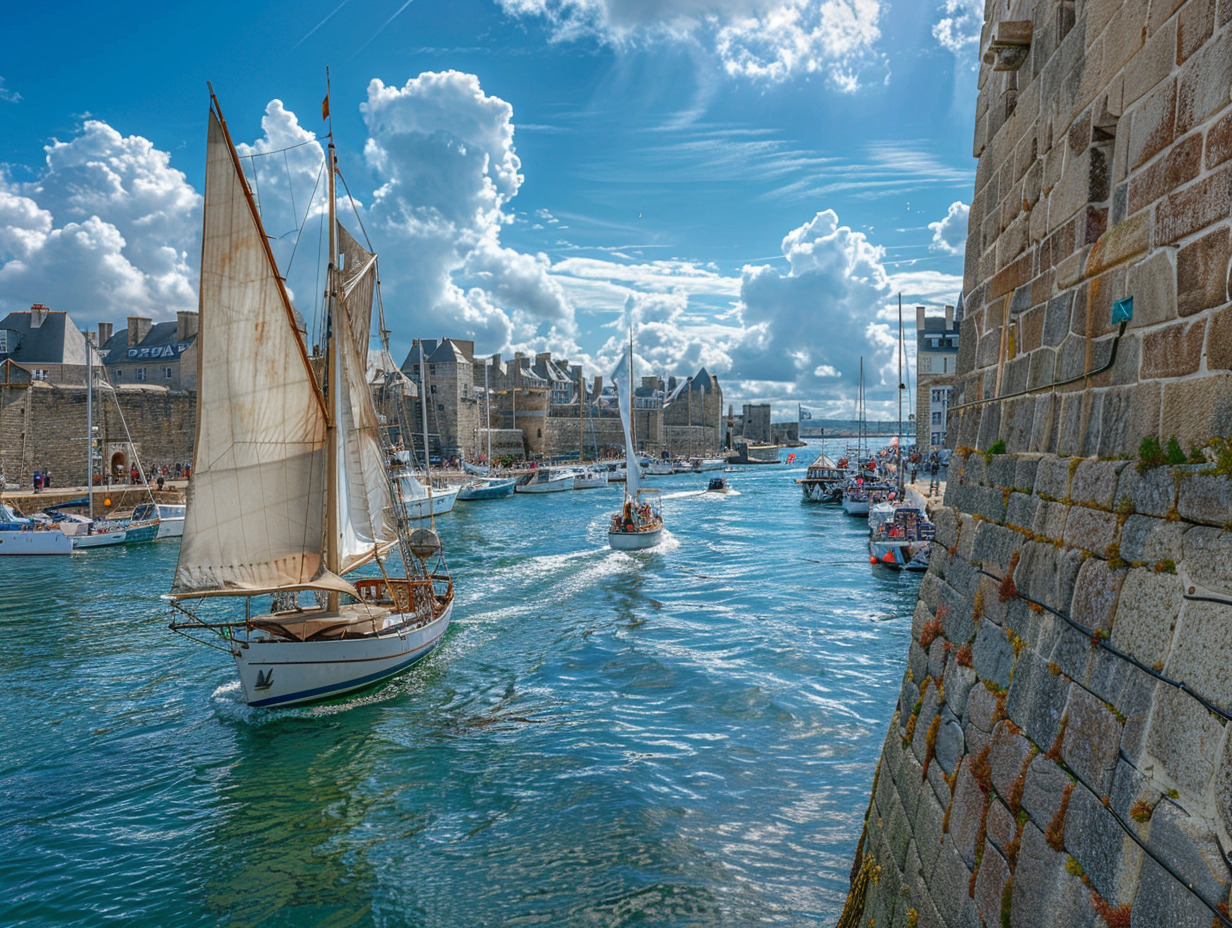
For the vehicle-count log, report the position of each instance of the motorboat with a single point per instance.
(589, 479)
(823, 481)
(170, 517)
(902, 539)
(22, 536)
(544, 480)
(718, 485)
(487, 488)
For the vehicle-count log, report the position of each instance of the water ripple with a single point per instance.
(684, 735)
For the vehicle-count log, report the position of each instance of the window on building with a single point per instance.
(119, 373)
(432, 388)
(440, 407)
(38, 374)
(141, 373)
(936, 438)
(166, 373)
(936, 418)
(4, 341)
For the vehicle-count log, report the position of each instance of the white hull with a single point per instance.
(283, 673)
(423, 507)
(659, 470)
(855, 507)
(554, 485)
(634, 541)
(171, 528)
(134, 534)
(34, 543)
(590, 482)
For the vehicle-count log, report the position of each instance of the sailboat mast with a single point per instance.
(90, 424)
(581, 421)
(332, 393)
(487, 397)
(899, 443)
(632, 421)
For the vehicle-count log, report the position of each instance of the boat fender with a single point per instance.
(872, 560)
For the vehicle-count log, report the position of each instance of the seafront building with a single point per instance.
(936, 343)
(161, 354)
(46, 345)
(542, 406)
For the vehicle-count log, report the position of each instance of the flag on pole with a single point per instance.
(325, 107)
(805, 414)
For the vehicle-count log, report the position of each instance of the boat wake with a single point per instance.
(228, 700)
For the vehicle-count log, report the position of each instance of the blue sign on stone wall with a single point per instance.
(1123, 310)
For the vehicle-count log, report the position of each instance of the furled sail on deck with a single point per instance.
(363, 489)
(256, 500)
(624, 388)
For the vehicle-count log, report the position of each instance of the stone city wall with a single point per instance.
(1060, 752)
(43, 427)
(1104, 138)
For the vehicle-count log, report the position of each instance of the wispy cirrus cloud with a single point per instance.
(8, 96)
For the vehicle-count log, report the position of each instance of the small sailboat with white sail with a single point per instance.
(290, 493)
(639, 524)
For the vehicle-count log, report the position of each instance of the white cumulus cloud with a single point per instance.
(770, 40)
(958, 29)
(442, 152)
(950, 233)
(106, 230)
(815, 322)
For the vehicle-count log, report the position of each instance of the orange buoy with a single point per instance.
(872, 560)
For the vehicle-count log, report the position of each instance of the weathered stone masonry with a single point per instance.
(1033, 774)
(1105, 172)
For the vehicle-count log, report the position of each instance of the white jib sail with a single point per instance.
(624, 391)
(256, 499)
(364, 500)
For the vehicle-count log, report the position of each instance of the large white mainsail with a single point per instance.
(364, 499)
(624, 393)
(256, 499)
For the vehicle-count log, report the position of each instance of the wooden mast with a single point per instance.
(332, 369)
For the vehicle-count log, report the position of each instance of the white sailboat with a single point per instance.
(289, 491)
(639, 524)
(19, 535)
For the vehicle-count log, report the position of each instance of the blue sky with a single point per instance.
(751, 182)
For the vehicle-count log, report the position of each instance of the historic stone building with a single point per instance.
(450, 395)
(1060, 753)
(936, 345)
(161, 354)
(47, 344)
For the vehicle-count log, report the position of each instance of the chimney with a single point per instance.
(138, 329)
(949, 316)
(104, 333)
(919, 321)
(185, 326)
(38, 315)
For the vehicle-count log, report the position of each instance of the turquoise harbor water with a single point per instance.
(681, 737)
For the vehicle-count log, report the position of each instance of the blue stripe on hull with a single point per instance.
(338, 689)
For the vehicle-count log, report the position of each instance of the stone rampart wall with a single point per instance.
(43, 427)
(1060, 752)
(1105, 172)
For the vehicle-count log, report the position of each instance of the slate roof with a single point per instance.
(56, 341)
(447, 352)
(154, 347)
